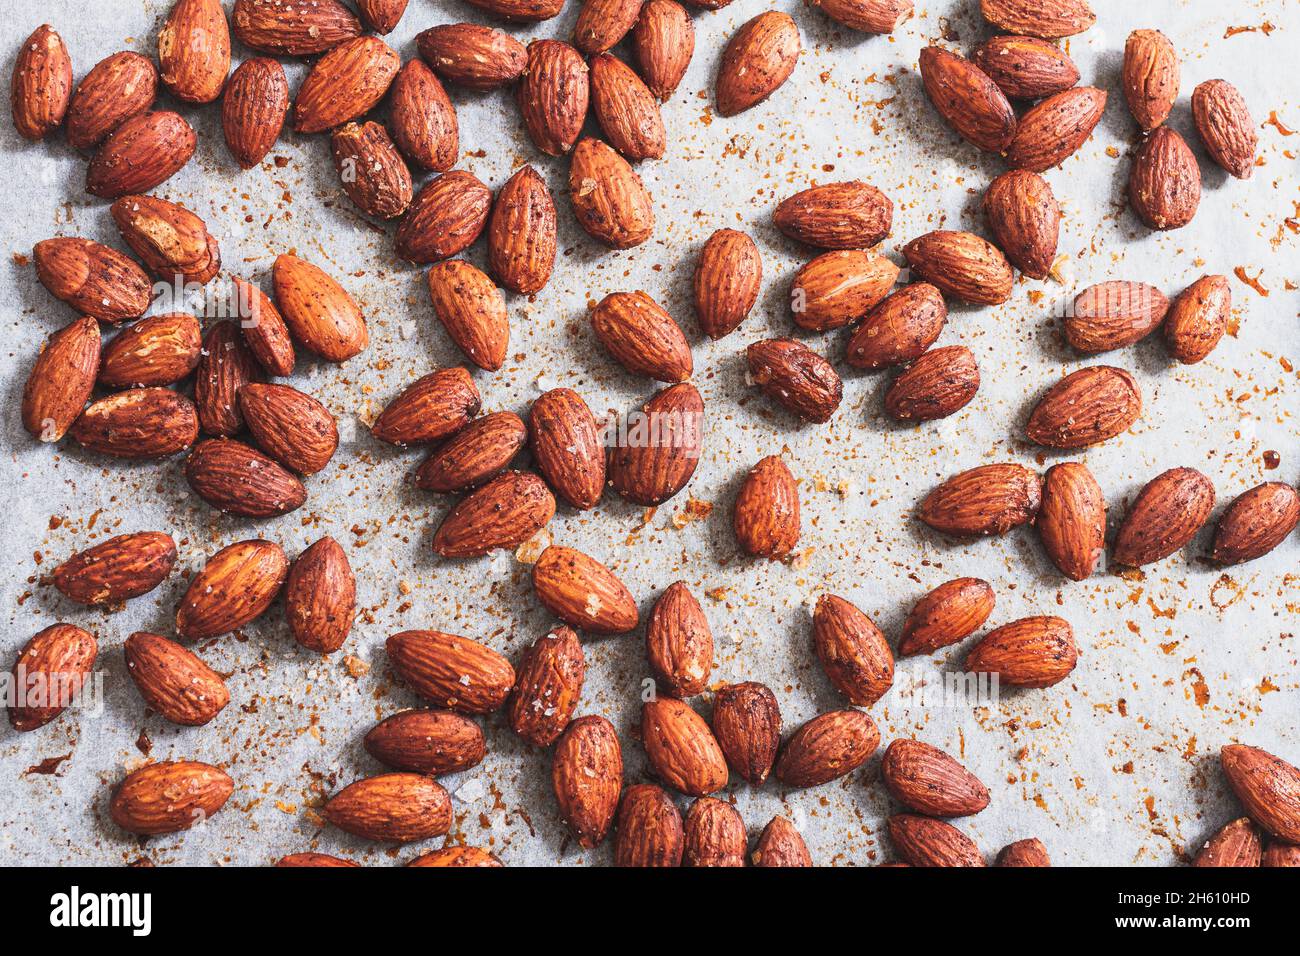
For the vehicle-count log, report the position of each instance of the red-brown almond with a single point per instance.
(1111, 315)
(320, 597)
(117, 88)
(264, 328)
(553, 96)
(453, 672)
(61, 380)
(1030, 852)
(429, 409)
(457, 856)
(312, 860)
(626, 110)
(766, 514)
(1280, 854)
(1256, 522)
(293, 29)
(1030, 652)
(1267, 786)
(682, 748)
(294, 429)
(609, 199)
(372, 173)
(169, 797)
(521, 233)
(225, 367)
(795, 376)
(826, 748)
(236, 585)
(713, 835)
(423, 119)
(1164, 517)
(952, 611)
(49, 673)
(321, 316)
(1072, 519)
(587, 777)
(601, 24)
(504, 513)
(159, 350)
(477, 453)
(929, 781)
(432, 742)
(42, 84)
(866, 16)
(852, 650)
(679, 643)
(472, 56)
(239, 480)
(844, 215)
(124, 566)
(989, 499)
(938, 384)
(173, 681)
(642, 337)
(1198, 318)
(727, 281)
(961, 265)
(1025, 220)
(347, 82)
(566, 444)
(922, 841)
(758, 58)
(663, 42)
(1225, 126)
(138, 423)
(840, 287)
(1237, 844)
(381, 16)
(747, 726)
(581, 591)
(194, 50)
(472, 310)
(1150, 77)
(392, 807)
(1053, 130)
(649, 472)
(899, 329)
(444, 219)
(526, 11)
(1048, 19)
(1026, 68)
(92, 278)
(144, 151)
(968, 99)
(1164, 187)
(780, 845)
(649, 829)
(1086, 407)
(547, 688)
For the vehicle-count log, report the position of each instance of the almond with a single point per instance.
(472, 56)
(548, 687)
(321, 316)
(1053, 130)
(293, 29)
(840, 287)
(727, 281)
(173, 681)
(567, 447)
(234, 478)
(138, 423)
(194, 50)
(649, 829)
(587, 776)
(1025, 68)
(454, 672)
(602, 24)
(938, 384)
(1280, 854)
(968, 99)
(657, 456)
(766, 515)
(899, 329)
(320, 597)
(713, 835)
(609, 199)
(472, 310)
(124, 566)
(49, 674)
(921, 841)
(846, 215)
(952, 611)
(1225, 126)
(962, 266)
(504, 513)
(423, 119)
(1150, 77)
(1030, 652)
(583, 592)
(474, 455)
(392, 807)
(747, 726)
(444, 219)
(381, 16)
(826, 748)
(1164, 187)
(226, 366)
(236, 585)
(1025, 220)
(1111, 315)
(293, 428)
(1164, 517)
(1048, 19)
(313, 859)
(1072, 520)
(93, 279)
(1256, 522)
(758, 58)
(553, 96)
(682, 748)
(526, 11)
(118, 87)
(626, 110)
(61, 380)
(521, 233)
(866, 16)
(265, 331)
(679, 643)
(457, 855)
(431, 408)
(1237, 844)
(1085, 408)
(852, 650)
(432, 742)
(173, 242)
(42, 84)
(144, 151)
(642, 337)
(1198, 318)
(929, 781)
(169, 797)
(1267, 786)
(663, 42)
(373, 174)
(346, 83)
(795, 376)
(1029, 852)
(780, 845)
(989, 499)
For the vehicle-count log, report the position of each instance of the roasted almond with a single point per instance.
(321, 316)
(780, 845)
(899, 329)
(1072, 519)
(423, 119)
(1054, 130)
(845, 215)
(1025, 220)
(1029, 852)
(657, 456)
(293, 29)
(922, 841)
(521, 233)
(866, 16)
(649, 829)
(264, 328)
(663, 42)
(457, 855)
(169, 797)
(472, 56)
(194, 50)
(1225, 126)
(1280, 854)
(320, 597)
(938, 384)
(602, 24)
(138, 423)
(172, 241)
(344, 84)
(119, 87)
(1150, 77)
(929, 781)
(61, 380)
(1026, 68)
(392, 807)
(553, 96)
(758, 58)
(961, 265)
(1198, 318)
(713, 835)
(547, 688)
(239, 480)
(444, 219)
(679, 643)
(236, 585)
(144, 151)
(431, 408)
(454, 672)
(581, 591)
(682, 748)
(1267, 786)
(124, 566)
(1237, 844)
(504, 513)
(373, 174)
(1111, 315)
(525, 11)
(472, 310)
(1164, 517)
(381, 16)
(1164, 187)
(49, 674)
(840, 287)
(747, 726)
(826, 748)
(609, 199)
(952, 611)
(795, 376)
(1085, 408)
(225, 367)
(626, 110)
(766, 514)
(852, 650)
(92, 278)
(293, 428)
(42, 84)
(1256, 522)
(567, 447)
(642, 337)
(1030, 652)
(1048, 19)
(968, 99)
(587, 776)
(173, 681)
(477, 453)
(728, 277)
(432, 742)
(989, 499)
(312, 860)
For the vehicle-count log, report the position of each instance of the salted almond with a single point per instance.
(173, 242)
(123, 567)
(504, 513)
(727, 281)
(840, 287)
(1025, 220)
(293, 29)
(239, 480)
(1267, 786)
(1029, 852)
(49, 674)
(173, 681)
(1256, 522)
(522, 11)
(1198, 318)
(429, 409)
(663, 41)
(138, 423)
(1280, 854)
(320, 314)
(548, 687)
(798, 378)
(521, 234)
(1164, 187)
(581, 591)
(929, 781)
(968, 99)
(852, 650)
(844, 215)
(553, 96)
(758, 58)
(587, 777)
(144, 151)
(961, 265)
(899, 329)
(320, 597)
(1164, 517)
(293, 428)
(1054, 130)
(391, 807)
(472, 310)
(626, 110)
(432, 742)
(1237, 844)
(472, 56)
(1225, 126)
(649, 831)
(225, 366)
(766, 514)
(951, 612)
(1111, 315)
(642, 337)
(938, 384)
(602, 24)
(235, 587)
(382, 16)
(451, 671)
(713, 835)
(747, 726)
(609, 199)
(1072, 519)
(61, 380)
(194, 50)
(444, 219)
(372, 173)
(989, 499)
(1026, 68)
(649, 473)
(681, 747)
(780, 845)
(922, 841)
(457, 856)
(423, 119)
(117, 88)
(344, 84)
(567, 447)
(1048, 19)
(92, 278)
(169, 797)
(866, 16)
(1150, 77)
(826, 748)
(265, 331)
(476, 454)
(1085, 408)
(42, 84)
(679, 643)
(1030, 652)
